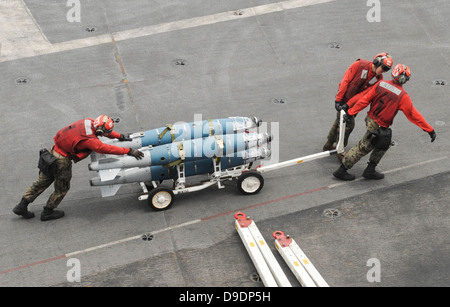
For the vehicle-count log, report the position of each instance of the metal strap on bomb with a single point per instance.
(181, 154)
(211, 127)
(169, 127)
(220, 144)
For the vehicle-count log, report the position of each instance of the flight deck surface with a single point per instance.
(152, 63)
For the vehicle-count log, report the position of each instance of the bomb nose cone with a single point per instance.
(257, 121)
(265, 152)
(267, 138)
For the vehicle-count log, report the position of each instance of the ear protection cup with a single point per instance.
(383, 59)
(377, 59)
(402, 79)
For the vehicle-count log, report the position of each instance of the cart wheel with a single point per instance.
(250, 182)
(160, 198)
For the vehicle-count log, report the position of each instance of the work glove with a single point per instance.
(136, 153)
(345, 107)
(123, 138)
(338, 105)
(432, 136)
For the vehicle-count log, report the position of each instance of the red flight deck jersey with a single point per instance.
(386, 98)
(357, 78)
(78, 140)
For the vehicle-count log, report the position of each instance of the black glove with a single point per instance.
(345, 107)
(122, 138)
(432, 136)
(136, 153)
(338, 105)
(347, 117)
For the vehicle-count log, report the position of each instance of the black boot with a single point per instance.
(371, 173)
(342, 174)
(328, 146)
(22, 209)
(50, 214)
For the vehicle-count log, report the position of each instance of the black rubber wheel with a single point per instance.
(160, 198)
(250, 182)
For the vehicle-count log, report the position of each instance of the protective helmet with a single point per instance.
(103, 124)
(384, 60)
(401, 73)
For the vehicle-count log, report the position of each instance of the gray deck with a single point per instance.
(239, 56)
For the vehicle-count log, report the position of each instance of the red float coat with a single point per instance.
(357, 78)
(78, 140)
(386, 98)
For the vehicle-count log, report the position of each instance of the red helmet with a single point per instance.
(384, 60)
(401, 73)
(103, 124)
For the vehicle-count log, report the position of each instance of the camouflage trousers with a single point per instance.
(333, 135)
(61, 179)
(364, 147)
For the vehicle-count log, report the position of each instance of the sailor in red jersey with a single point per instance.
(357, 80)
(79, 139)
(386, 98)
(74, 142)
